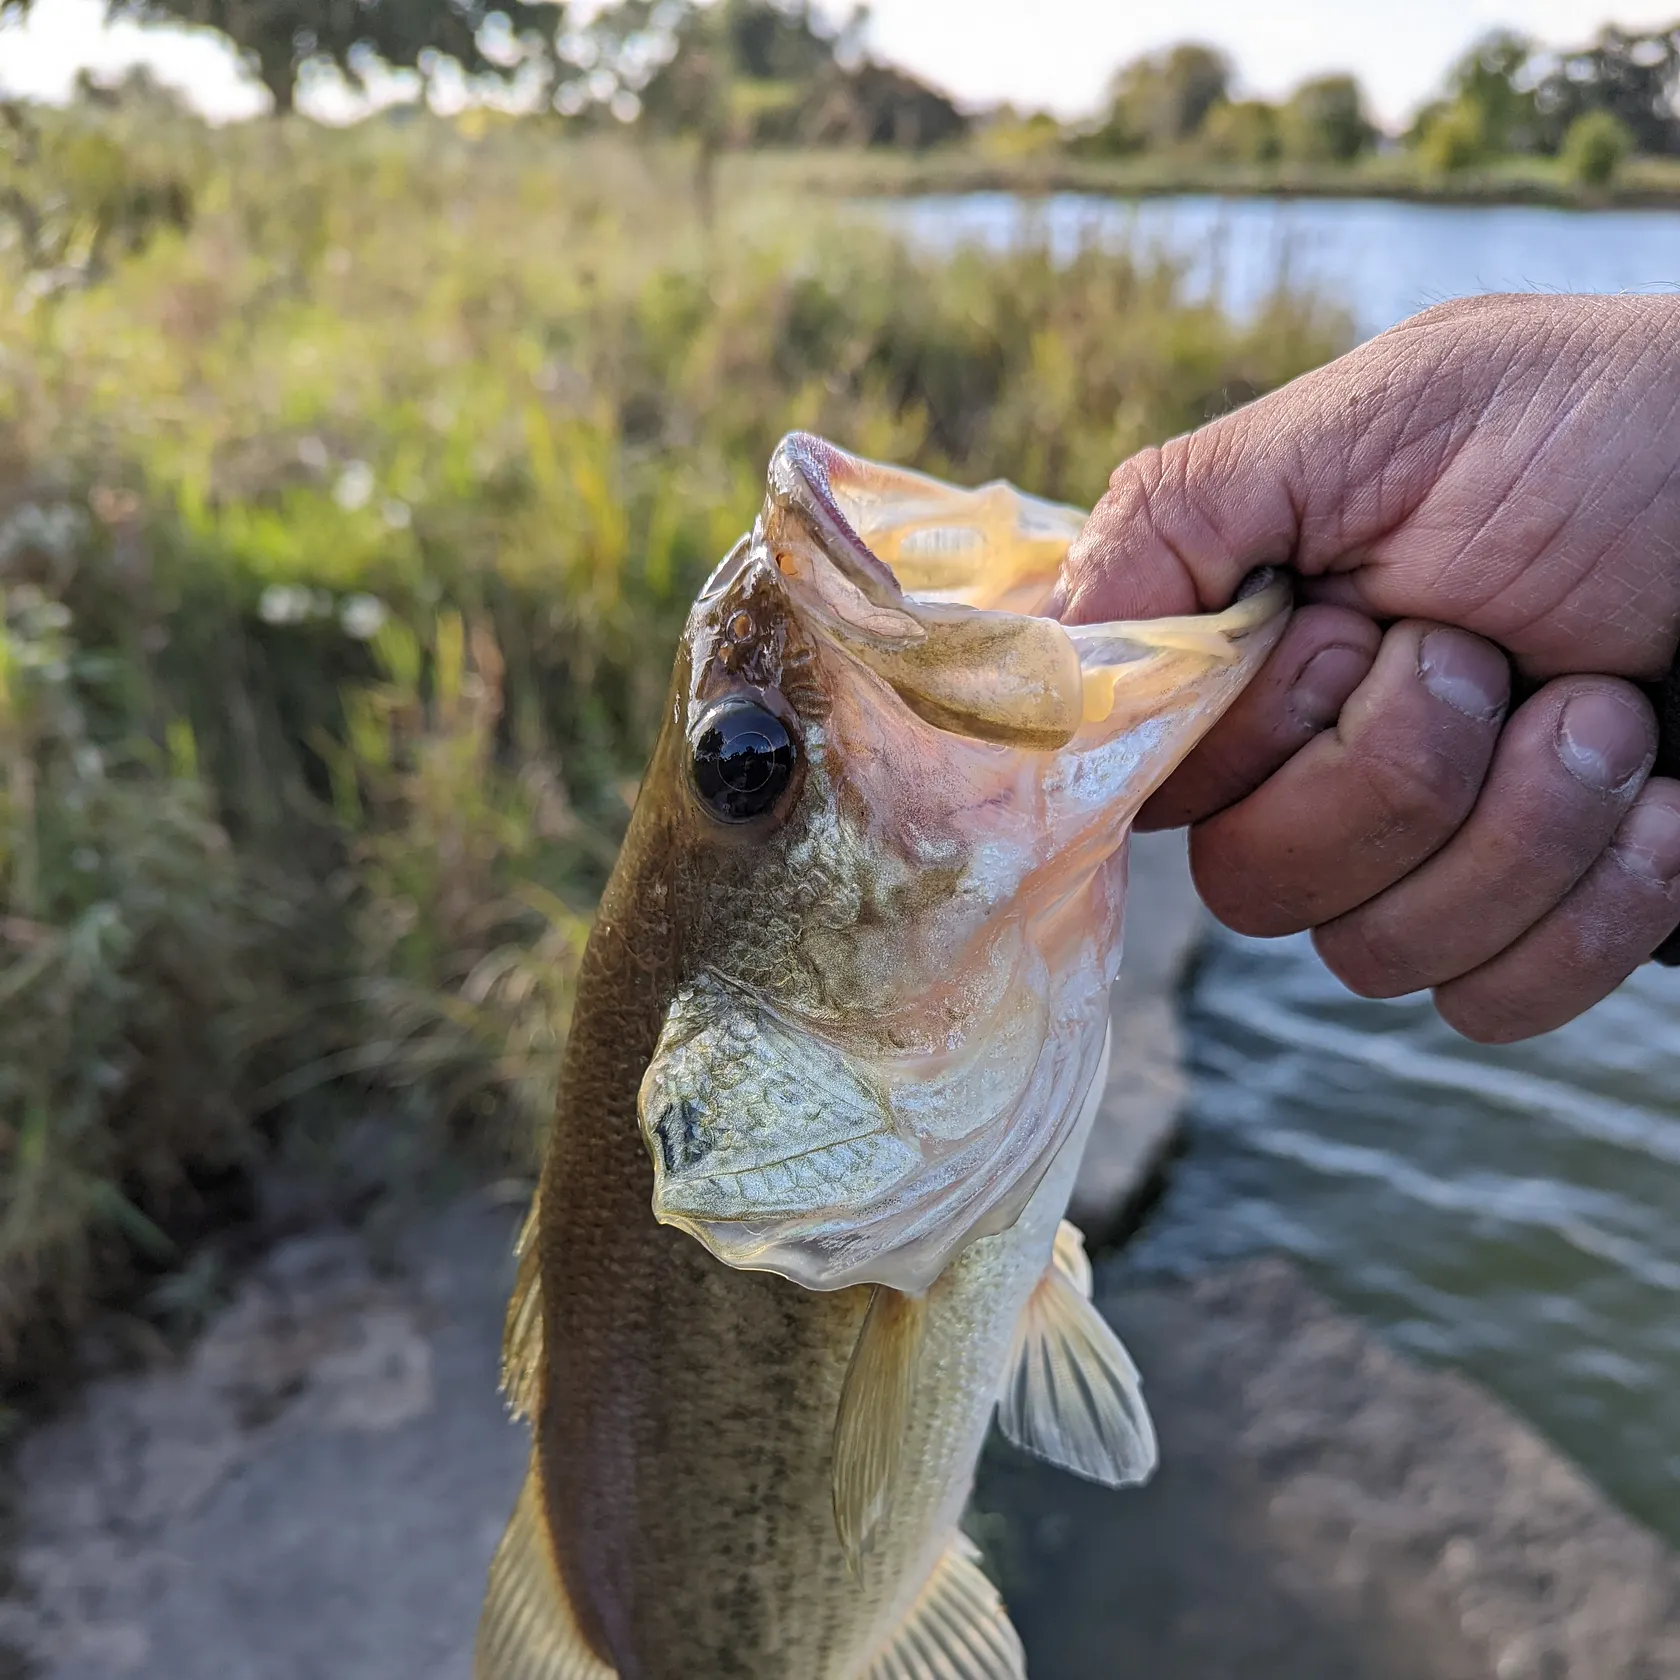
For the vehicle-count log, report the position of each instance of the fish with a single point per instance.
(840, 1031)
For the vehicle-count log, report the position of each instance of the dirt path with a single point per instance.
(314, 1495)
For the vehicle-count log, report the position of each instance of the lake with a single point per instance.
(1515, 1212)
(1383, 260)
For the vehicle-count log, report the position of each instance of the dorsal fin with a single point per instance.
(874, 1406)
(1073, 1397)
(522, 1329)
(956, 1630)
(528, 1630)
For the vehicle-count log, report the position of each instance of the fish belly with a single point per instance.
(686, 1438)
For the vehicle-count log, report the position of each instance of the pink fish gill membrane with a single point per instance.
(1003, 753)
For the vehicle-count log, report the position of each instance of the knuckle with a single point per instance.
(1238, 893)
(1483, 1016)
(1135, 479)
(1370, 955)
(1425, 790)
(1456, 311)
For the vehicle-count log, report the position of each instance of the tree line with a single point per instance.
(733, 72)
(1508, 96)
(784, 72)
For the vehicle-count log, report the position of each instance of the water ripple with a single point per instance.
(1510, 1211)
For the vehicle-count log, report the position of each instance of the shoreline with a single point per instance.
(1646, 184)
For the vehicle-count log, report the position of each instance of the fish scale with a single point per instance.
(838, 1039)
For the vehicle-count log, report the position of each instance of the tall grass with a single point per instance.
(349, 511)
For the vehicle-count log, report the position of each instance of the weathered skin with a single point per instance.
(915, 888)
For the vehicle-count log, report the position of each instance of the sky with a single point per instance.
(1051, 53)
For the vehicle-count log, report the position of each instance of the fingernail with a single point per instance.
(1602, 740)
(1469, 674)
(1318, 694)
(1648, 841)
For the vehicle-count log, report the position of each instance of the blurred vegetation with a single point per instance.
(276, 40)
(1594, 146)
(742, 73)
(354, 485)
(1508, 98)
(732, 77)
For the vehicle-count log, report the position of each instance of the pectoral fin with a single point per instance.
(956, 1630)
(874, 1406)
(1074, 1397)
(528, 1630)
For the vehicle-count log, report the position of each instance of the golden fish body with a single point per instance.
(838, 1039)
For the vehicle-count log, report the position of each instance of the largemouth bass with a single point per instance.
(839, 1034)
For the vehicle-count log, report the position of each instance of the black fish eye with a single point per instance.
(744, 759)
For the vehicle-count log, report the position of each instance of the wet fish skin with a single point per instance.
(686, 1457)
(865, 937)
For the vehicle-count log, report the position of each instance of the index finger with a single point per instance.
(1322, 657)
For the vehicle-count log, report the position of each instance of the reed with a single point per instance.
(353, 487)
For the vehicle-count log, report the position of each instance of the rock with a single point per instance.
(315, 1491)
(1138, 1123)
(1325, 1510)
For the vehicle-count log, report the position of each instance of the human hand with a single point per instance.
(1498, 482)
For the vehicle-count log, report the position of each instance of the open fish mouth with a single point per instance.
(974, 739)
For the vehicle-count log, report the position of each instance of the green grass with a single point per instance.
(353, 488)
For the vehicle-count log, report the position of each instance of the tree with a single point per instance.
(1496, 79)
(1451, 139)
(1636, 78)
(1161, 100)
(276, 38)
(766, 72)
(1324, 121)
(879, 105)
(1241, 131)
(1594, 148)
(789, 42)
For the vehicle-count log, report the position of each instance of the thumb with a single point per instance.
(1314, 472)
(1182, 525)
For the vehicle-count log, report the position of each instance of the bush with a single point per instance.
(1594, 148)
(1454, 138)
(126, 975)
(1241, 131)
(1324, 121)
(364, 506)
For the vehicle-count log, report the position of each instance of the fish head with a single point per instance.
(894, 799)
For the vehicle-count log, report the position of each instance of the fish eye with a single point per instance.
(744, 759)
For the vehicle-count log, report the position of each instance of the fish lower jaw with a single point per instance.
(817, 1181)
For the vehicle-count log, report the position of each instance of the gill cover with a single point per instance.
(987, 744)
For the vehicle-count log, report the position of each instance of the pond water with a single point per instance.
(1382, 260)
(1515, 1212)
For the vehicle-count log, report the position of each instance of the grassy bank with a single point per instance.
(353, 486)
(1640, 183)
